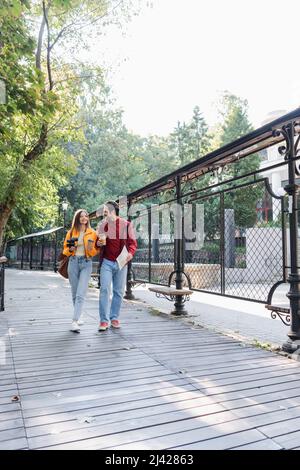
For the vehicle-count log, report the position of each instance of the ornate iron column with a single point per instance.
(178, 251)
(55, 267)
(130, 279)
(42, 252)
(22, 255)
(128, 294)
(2, 274)
(150, 243)
(290, 152)
(30, 253)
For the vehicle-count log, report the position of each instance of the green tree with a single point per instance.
(41, 113)
(236, 124)
(158, 157)
(234, 113)
(190, 140)
(111, 164)
(24, 118)
(114, 161)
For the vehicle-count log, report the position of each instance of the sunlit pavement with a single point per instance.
(250, 320)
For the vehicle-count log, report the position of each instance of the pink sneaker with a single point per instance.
(103, 326)
(115, 324)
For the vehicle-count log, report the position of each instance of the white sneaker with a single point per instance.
(75, 326)
(80, 322)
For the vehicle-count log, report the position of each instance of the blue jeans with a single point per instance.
(79, 270)
(111, 274)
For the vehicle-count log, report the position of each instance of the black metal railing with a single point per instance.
(250, 243)
(2, 279)
(241, 261)
(36, 251)
(39, 251)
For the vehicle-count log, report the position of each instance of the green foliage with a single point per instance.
(115, 162)
(211, 217)
(25, 100)
(234, 112)
(261, 345)
(270, 224)
(12, 8)
(236, 124)
(41, 133)
(211, 247)
(244, 201)
(105, 165)
(29, 183)
(190, 140)
(54, 146)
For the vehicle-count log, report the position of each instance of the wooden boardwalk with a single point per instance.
(157, 383)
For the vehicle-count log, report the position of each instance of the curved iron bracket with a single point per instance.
(186, 275)
(284, 317)
(284, 313)
(297, 151)
(272, 290)
(284, 150)
(270, 191)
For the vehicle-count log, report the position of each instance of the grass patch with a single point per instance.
(265, 346)
(154, 311)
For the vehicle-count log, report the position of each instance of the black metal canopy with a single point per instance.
(37, 234)
(259, 139)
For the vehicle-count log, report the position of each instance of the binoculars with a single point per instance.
(72, 242)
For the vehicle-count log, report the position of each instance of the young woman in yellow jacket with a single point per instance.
(80, 246)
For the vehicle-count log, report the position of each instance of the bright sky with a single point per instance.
(183, 53)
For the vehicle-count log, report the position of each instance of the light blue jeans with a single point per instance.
(111, 274)
(79, 270)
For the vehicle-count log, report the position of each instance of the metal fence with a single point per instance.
(249, 242)
(233, 260)
(39, 251)
(36, 251)
(2, 275)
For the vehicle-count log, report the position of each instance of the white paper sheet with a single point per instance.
(121, 259)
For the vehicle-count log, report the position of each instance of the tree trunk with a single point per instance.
(38, 55)
(4, 216)
(7, 206)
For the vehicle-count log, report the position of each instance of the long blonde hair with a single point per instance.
(76, 220)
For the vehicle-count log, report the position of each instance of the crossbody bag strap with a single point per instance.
(71, 234)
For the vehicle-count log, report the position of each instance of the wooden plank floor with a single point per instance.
(157, 383)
